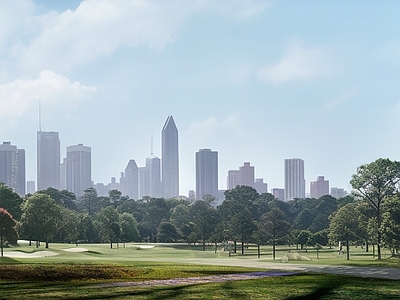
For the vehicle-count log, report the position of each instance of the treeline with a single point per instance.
(244, 217)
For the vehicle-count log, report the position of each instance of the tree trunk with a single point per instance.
(347, 249)
(1, 244)
(242, 246)
(273, 249)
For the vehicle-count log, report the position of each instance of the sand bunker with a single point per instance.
(38, 254)
(142, 247)
(76, 250)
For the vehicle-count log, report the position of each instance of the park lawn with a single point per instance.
(302, 286)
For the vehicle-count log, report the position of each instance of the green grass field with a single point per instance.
(60, 274)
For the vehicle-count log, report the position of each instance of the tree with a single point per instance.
(304, 238)
(40, 217)
(129, 231)
(109, 220)
(391, 225)
(63, 198)
(273, 227)
(10, 201)
(375, 183)
(203, 216)
(167, 232)
(8, 234)
(89, 201)
(344, 226)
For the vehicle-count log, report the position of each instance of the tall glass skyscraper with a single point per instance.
(79, 169)
(48, 160)
(12, 167)
(170, 159)
(206, 173)
(295, 183)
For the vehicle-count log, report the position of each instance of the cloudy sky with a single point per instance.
(258, 81)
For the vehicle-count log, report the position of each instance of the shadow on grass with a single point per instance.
(8, 260)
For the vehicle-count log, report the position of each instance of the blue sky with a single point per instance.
(258, 81)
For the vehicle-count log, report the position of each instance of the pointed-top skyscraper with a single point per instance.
(170, 159)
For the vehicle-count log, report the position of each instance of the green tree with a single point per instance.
(41, 216)
(391, 225)
(8, 234)
(89, 201)
(10, 201)
(304, 238)
(129, 231)
(109, 220)
(375, 183)
(273, 228)
(167, 232)
(203, 216)
(63, 198)
(344, 226)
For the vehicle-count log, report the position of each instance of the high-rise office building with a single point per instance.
(206, 173)
(12, 167)
(48, 160)
(79, 168)
(170, 159)
(129, 183)
(63, 175)
(319, 188)
(338, 192)
(233, 179)
(247, 174)
(30, 187)
(294, 179)
(260, 186)
(154, 167)
(278, 193)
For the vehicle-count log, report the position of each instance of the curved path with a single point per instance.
(373, 272)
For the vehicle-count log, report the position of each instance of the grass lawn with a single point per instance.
(61, 274)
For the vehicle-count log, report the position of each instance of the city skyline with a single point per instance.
(259, 81)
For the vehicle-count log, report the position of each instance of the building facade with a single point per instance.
(233, 179)
(12, 167)
(319, 188)
(206, 173)
(294, 179)
(247, 174)
(278, 193)
(170, 159)
(130, 180)
(48, 160)
(79, 169)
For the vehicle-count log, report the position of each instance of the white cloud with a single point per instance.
(60, 41)
(299, 63)
(343, 98)
(19, 96)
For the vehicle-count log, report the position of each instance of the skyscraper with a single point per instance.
(154, 168)
(48, 160)
(79, 169)
(294, 179)
(12, 167)
(206, 173)
(170, 159)
(233, 179)
(319, 188)
(247, 174)
(129, 183)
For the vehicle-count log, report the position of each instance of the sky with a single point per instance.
(257, 81)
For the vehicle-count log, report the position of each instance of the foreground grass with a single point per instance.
(304, 286)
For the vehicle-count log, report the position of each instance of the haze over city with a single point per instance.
(257, 81)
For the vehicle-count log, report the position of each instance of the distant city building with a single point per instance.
(101, 190)
(206, 173)
(319, 188)
(30, 187)
(144, 182)
(170, 159)
(338, 192)
(294, 179)
(278, 193)
(63, 175)
(48, 160)
(113, 185)
(12, 167)
(192, 195)
(154, 166)
(79, 168)
(130, 180)
(260, 186)
(247, 174)
(233, 179)
(243, 176)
